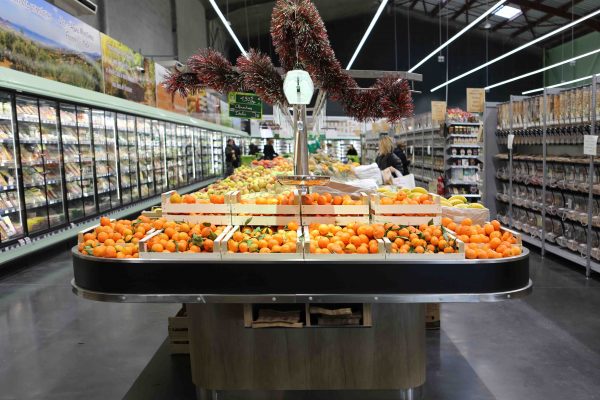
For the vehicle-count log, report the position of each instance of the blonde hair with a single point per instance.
(386, 146)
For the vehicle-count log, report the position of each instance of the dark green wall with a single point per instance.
(583, 67)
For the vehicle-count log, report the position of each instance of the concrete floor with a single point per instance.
(54, 345)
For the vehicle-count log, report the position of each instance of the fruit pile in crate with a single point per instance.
(358, 241)
(338, 209)
(215, 209)
(265, 209)
(485, 241)
(262, 242)
(426, 240)
(406, 207)
(114, 239)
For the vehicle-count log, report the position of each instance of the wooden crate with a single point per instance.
(149, 255)
(179, 341)
(459, 255)
(155, 213)
(350, 257)
(218, 214)
(263, 214)
(298, 255)
(88, 230)
(405, 214)
(337, 214)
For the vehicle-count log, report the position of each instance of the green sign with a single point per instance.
(244, 105)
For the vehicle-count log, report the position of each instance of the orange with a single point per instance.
(157, 248)
(496, 225)
(482, 254)
(373, 247)
(232, 246)
(515, 250)
(471, 253)
(467, 222)
(285, 248)
(495, 243)
(489, 228)
(99, 251)
(363, 238)
(292, 225)
(323, 229)
(111, 252)
(322, 200)
(109, 242)
(243, 247)
(323, 242)
(337, 200)
(170, 247)
(350, 248)
(378, 232)
(449, 250)
(102, 236)
(392, 235)
(104, 221)
(265, 250)
(356, 241)
(362, 249)
(276, 249)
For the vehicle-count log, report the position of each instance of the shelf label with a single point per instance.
(590, 145)
(428, 150)
(244, 105)
(475, 100)
(511, 139)
(438, 111)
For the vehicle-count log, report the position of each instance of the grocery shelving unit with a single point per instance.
(424, 147)
(340, 147)
(545, 186)
(68, 154)
(463, 159)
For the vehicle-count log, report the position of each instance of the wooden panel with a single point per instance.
(226, 356)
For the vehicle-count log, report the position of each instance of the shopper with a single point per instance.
(330, 151)
(386, 157)
(238, 154)
(230, 157)
(400, 152)
(269, 151)
(351, 151)
(253, 148)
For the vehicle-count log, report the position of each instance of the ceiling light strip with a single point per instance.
(531, 43)
(459, 34)
(558, 84)
(228, 27)
(367, 33)
(537, 71)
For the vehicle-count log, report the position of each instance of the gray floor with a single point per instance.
(54, 345)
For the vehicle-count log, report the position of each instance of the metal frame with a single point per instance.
(302, 298)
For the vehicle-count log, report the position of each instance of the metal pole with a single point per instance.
(545, 149)
(593, 117)
(300, 141)
(510, 166)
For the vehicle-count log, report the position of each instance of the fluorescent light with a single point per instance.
(228, 27)
(544, 37)
(463, 30)
(367, 33)
(507, 12)
(537, 71)
(558, 84)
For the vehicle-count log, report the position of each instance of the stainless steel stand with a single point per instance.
(300, 141)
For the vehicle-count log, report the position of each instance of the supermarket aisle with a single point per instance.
(54, 345)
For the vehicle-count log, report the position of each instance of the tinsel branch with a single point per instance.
(260, 75)
(184, 83)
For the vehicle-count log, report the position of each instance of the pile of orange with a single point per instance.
(283, 199)
(257, 239)
(351, 239)
(117, 239)
(176, 198)
(402, 198)
(487, 241)
(424, 239)
(323, 199)
(181, 237)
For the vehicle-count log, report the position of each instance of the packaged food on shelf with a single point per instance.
(355, 241)
(254, 243)
(336, 208)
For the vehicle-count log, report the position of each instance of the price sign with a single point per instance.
(438, 111)
(590, 145)
(511, 139)
(428, 150)
(244, 105)
(475, 100)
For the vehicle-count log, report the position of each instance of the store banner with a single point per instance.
(438, 111)
(164, 99)
(41, 39)
(127, 74)
(475, 100)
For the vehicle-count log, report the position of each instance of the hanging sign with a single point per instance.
(244, 105)
(438, 111)
(590, 145)
(475, 100)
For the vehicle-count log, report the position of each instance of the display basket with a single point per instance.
(405, 214)
(226, 255)
(197, 213)
(340, 257)
(146, 254)
(263, 214)
(337, 214)
(458, 255)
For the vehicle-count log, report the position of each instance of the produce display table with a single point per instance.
(385, 353)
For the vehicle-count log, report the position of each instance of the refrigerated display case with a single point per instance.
(68, 154)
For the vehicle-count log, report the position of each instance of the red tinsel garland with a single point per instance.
(301, 41)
